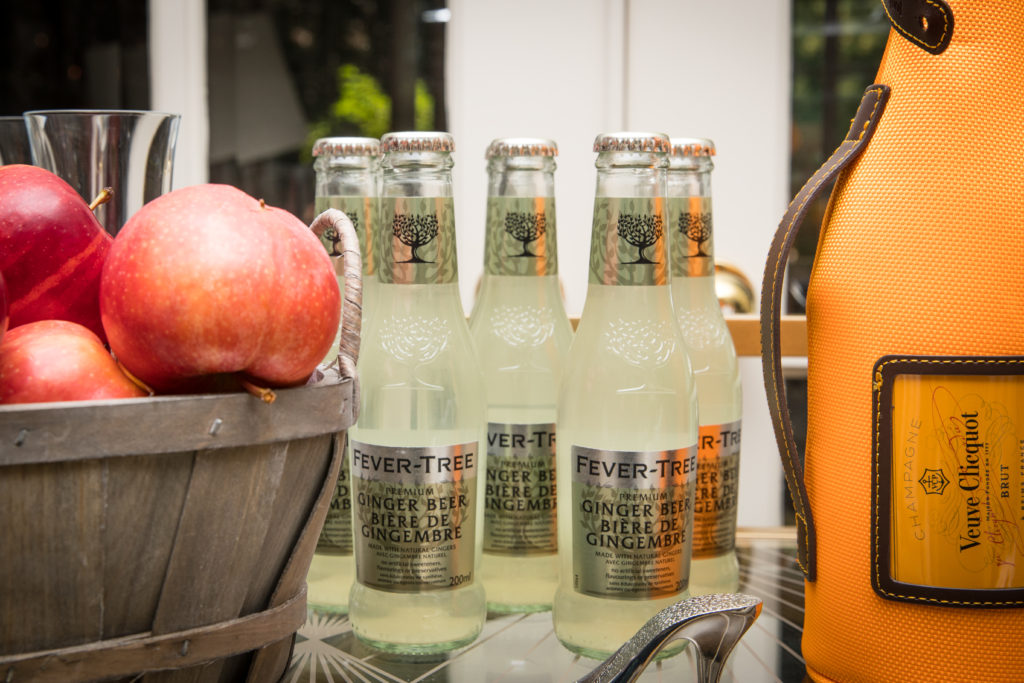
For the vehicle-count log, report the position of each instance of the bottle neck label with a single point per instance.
(629, 244)
(692, 243)
(718, 468)
(361, 211)
(417, 241)
(519, 517)
(414, 516)
(632, 516)
(520, 237)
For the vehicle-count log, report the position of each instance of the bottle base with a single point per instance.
(415, 648)
(670, 650)
(502, 608)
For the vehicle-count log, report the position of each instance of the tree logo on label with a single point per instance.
(696, 226)
(415, 230)
(525, 227)
(642, 231)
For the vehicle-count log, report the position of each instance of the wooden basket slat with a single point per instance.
(211, 563)
(139, 492)
(55, 432)
(305, 472)
(35, 611)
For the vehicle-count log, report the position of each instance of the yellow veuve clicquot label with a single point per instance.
(958, 481)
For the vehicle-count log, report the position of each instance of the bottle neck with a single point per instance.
(628, 244)
(520, 237)
(690, 218)
(346, 176)
(349, 184)
(417, 219)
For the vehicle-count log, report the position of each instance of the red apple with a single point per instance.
(3, 307)
(52, 249)
(206, 281)
(57, 360)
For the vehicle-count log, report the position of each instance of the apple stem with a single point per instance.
(105, 195)
(263, 393)
(263, 204)
(135, 380)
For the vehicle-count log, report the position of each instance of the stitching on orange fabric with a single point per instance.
(875, 465)
(798, 502)
(945, 25)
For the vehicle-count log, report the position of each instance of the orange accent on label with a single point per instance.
(714, 516)
(958, 481)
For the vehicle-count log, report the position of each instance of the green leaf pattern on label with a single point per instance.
(691, 227)
(362, 211)
(520, 238)
(417, 241)
(629, 241)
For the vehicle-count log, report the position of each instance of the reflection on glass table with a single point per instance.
(524, 649)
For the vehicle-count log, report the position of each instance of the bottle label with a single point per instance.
(417, 241)
(692, 244)
(336, 534)
(361, 211)
(629, 242)
(718, 470)
(519, 516)
(632, 512)
(949, 480)
(520, 238)
(415, 521)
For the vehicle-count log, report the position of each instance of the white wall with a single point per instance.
(177, 66)
(571, 69)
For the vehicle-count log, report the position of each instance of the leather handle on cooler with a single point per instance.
(861, 130)
(352, 310)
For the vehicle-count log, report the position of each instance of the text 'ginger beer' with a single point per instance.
(417, 466)
(714, 568)
(627, 416)
(522, 335)
(346, 179)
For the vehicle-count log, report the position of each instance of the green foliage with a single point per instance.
(364, 109)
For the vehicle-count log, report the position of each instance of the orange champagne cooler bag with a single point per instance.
(910, 498)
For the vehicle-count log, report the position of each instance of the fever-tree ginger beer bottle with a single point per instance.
(627, 416)
(346, 179)
(522, 335)
(708, 343)
(417, 466)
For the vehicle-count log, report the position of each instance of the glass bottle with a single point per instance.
(714, 568)
(417, 466)
(522, 335)
(627, 416)
(346, 179)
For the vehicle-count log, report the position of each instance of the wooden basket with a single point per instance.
(168, 538)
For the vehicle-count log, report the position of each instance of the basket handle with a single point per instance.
(347, 251)
(872, 105)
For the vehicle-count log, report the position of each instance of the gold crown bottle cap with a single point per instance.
(521, 147)
(632, 142)
(346, 147)
(417, 141)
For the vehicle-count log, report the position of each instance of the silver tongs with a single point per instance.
(713, 623)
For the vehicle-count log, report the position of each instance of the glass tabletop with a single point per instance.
(523, 648)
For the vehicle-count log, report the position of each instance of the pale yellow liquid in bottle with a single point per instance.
(628, 386)
(522, 336)
(420, 387)
(719, 399)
